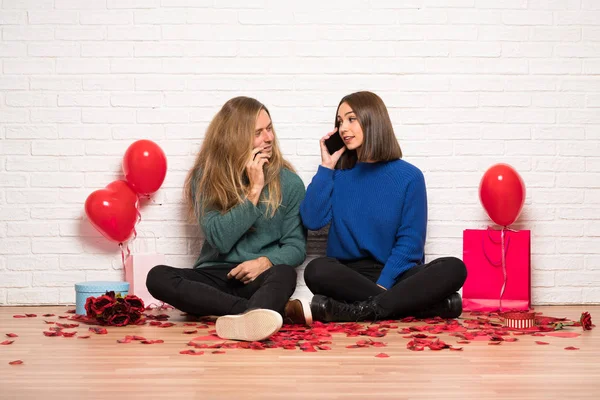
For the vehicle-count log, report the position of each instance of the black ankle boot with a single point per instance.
(326, 309)
(450, 307)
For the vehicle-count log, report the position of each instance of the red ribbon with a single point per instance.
(503, 251)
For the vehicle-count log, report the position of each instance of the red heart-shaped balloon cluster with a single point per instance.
(114, 210)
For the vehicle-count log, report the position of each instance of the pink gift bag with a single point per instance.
(495, 282)
(137, 267)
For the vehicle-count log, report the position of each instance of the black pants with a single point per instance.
(208, 291)
(415, 290)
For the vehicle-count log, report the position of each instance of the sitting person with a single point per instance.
(246, 199)
(377, 206)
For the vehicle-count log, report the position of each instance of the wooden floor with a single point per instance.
(101, 368)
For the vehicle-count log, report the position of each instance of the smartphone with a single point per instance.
(334, 143)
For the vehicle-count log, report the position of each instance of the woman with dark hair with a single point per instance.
(376, 204)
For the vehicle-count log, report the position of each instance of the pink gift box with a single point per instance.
(137, 267)
(486, 276)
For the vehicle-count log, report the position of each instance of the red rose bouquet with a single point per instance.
(115, 310)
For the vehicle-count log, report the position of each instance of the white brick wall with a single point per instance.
(468, 83)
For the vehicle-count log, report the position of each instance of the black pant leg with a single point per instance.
(200, 291)
(329, 277)
(271, 289)
(423, 286)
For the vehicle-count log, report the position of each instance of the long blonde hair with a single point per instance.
(218, 179)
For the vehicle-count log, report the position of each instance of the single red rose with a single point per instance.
(119, 320)
(88, 305)
(135, 303)
(586, 321)
(100, 305)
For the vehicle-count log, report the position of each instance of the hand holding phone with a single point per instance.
(332, 148)
(334, 143)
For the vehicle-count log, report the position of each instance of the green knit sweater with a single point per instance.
(282, 238)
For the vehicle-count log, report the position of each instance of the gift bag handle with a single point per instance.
(499, 263)
(503, 251)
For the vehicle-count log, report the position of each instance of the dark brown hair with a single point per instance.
(379, 140)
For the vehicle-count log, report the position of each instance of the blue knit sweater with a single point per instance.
(376, 210)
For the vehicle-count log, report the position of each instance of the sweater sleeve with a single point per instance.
(292, 245)
(222, 231)
(316, 207)
(410, 237)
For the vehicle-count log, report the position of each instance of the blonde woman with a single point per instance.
(246, 197)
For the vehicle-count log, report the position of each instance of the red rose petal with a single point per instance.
(209, 337)
(382, 355)
(124, 340)
(69, 334)
(571, 348)
(135, 337)
(12, 335)
(83, 337)
(7, 342)
(152, 341)
(19, 316)
(563, 334)
(99, 331)
(30, 315)
(167, 325)
(71, 311)
(16, 362)
(510, 339)
(189, 332)
(463, 342)
(48, 315)
(218, 352)
(456, 348)
(542, 343)
(323, 347)
(192, 352)
(52, 333)
(50, 322)
(494, 343)
(189, 324)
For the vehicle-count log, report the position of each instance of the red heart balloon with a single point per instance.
(502, 194)
(113, 211)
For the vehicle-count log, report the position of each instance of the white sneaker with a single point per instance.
(251, 326)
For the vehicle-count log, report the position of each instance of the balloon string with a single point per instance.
(503, 266)
(122, 255)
